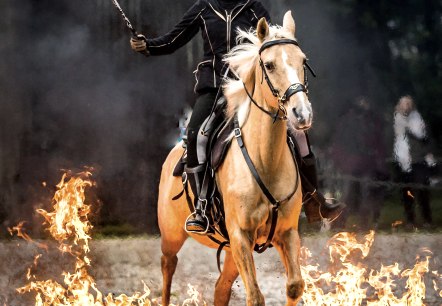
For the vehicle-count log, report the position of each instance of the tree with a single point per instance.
(406, 48)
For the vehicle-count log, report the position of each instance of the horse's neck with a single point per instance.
(265, 140)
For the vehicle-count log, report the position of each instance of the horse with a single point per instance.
(264, 113)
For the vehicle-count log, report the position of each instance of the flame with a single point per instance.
(396, 223)
(349, 281)
(20, 232)
(410, 194)
(69, 225)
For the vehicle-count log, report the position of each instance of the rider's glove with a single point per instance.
(138, 43)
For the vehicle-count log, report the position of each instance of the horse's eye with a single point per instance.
(270, 66)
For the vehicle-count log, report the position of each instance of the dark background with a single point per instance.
(73, 93)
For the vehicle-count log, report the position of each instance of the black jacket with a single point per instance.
(218, 28)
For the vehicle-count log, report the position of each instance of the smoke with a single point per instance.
(341, 60)
(75, 94)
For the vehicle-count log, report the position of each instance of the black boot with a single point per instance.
(316, 207)
(197, 222)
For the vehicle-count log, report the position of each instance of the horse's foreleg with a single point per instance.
(170, 247)
(241, 244)
(288, 246)
(223, 288)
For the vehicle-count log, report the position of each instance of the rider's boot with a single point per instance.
(197, 222)
(316, 206)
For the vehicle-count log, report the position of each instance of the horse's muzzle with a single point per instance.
(303, 118)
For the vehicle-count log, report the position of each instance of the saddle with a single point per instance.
(212, 140)
(212, 145)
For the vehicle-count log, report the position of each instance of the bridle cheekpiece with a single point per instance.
(290, 91)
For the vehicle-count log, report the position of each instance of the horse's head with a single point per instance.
(271, 66)
(282, 65)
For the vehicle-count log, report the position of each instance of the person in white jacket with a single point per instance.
(413, 158)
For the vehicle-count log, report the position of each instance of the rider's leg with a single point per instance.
(197, 222)
(316, 207)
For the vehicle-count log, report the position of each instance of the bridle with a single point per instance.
(290, 91)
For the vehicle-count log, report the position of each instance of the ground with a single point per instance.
(119, 266)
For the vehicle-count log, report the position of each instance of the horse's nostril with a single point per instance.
(300, 118)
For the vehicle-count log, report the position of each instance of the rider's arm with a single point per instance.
(181, 34)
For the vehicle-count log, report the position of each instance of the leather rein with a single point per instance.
(290, 91)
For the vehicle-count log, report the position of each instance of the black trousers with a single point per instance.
(201, 110)
(419, 175)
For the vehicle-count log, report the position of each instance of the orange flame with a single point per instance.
(68, 223)
(396, 223)
(347, 283)
(20, 232)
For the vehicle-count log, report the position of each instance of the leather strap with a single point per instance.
(250, 164)
(277, 42)
(275, 203)
(294, 88)
(274, 116)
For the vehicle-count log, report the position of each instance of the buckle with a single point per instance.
(204, 203)
(237, 132)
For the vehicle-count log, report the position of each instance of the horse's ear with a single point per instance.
(289, 23)
(262, 29)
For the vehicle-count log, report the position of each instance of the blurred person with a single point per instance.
(414, 160)
(359, 151)
(218, 21)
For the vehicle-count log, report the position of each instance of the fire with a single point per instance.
(396, 223)
(69, 225)
(19, 230)
(350, 283)
(347, 281)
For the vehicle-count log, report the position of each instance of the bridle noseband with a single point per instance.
(290, 91)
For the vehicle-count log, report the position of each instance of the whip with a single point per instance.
(129, 24)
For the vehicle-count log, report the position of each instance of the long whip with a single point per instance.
(129, 25)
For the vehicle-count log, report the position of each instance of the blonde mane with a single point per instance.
(242, 61)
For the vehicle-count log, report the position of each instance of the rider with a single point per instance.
(218, 21)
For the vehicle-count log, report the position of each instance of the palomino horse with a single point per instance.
(273, 54)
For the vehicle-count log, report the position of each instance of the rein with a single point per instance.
(275, 116)
(290, 91)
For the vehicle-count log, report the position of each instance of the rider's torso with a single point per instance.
(218, 23)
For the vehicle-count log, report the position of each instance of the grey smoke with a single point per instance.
(74, 94)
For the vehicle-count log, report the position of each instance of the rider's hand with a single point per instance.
(138, 43)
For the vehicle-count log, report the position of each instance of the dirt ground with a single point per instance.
(120, 265)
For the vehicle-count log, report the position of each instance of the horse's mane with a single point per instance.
(242, 60)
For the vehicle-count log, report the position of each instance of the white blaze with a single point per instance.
(293, 78)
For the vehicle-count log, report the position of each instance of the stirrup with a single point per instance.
(196, 232)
